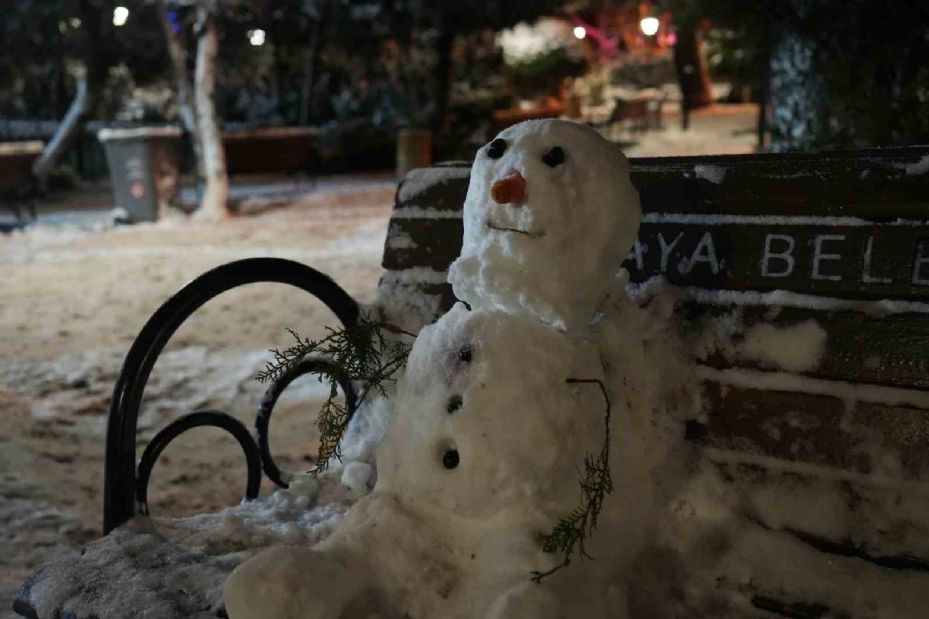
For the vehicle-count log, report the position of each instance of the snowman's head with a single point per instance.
(549, 217)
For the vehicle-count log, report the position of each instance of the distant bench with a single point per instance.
(16, 184)
(823, 250)
(271, 149)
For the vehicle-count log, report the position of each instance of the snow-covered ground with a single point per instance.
(72, 302)
(74, 298)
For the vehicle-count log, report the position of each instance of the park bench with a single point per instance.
(632, 115)
(16, 182)
(271, 149)
(833, 246)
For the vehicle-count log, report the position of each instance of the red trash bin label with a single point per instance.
(137, 189)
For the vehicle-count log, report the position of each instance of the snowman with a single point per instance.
(500, 402)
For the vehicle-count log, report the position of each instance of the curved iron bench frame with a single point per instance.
(125, 482)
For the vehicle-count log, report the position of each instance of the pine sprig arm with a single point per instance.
(285, 360)
(570, 533)
(361, 354)
(357, 350)
(334, 417)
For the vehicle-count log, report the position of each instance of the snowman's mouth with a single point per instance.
(514, 230)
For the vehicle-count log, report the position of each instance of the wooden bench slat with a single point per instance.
(877, 183)
(860, 261)
(822, 258)
(890, 350)
(790, 563)
(722, 594)
(892, 182)
(430, 243)
(441, 188)
(816, 429)
(793, 574)
(837, 511)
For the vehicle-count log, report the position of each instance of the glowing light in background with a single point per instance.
(256, 37)
(174, 20)
(580, 32)
(649, 26)
(120, 15)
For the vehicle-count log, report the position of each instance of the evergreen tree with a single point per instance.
(837, 73)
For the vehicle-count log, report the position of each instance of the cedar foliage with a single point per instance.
(573, 530)
(362, 354)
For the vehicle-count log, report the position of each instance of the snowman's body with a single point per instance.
(482, 455)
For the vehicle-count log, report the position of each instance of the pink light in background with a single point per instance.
(608, 46)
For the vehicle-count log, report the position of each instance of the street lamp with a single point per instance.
(649, 26)
(120, 15)
(256, 37)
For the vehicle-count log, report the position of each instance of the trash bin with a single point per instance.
(143, 165)
(414, 150)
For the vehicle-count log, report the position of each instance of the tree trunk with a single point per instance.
(764, 94)
(185, 92)
(761, 126)
(309, 77)
(67, 131)
(692, 73)
(443, 78)
(797, 93)
(85, 98)
(213, 204)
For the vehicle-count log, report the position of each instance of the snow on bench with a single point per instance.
(805, 285)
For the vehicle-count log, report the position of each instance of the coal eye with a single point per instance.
(554, 157)
(496, 149)
(450, 459)
(464, 354)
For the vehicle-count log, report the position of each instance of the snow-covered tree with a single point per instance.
(453, 19)
(836, 73)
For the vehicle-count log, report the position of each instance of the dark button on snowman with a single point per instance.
(482, 454)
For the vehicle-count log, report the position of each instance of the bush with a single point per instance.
(544, 73)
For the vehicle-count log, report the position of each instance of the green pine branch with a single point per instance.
(570, 533)
(361, 354)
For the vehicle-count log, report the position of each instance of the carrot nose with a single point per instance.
(509, 190)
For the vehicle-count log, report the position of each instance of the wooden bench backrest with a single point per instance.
(773, 241)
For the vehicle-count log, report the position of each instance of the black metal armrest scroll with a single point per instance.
(120, 480)
(216, 419)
